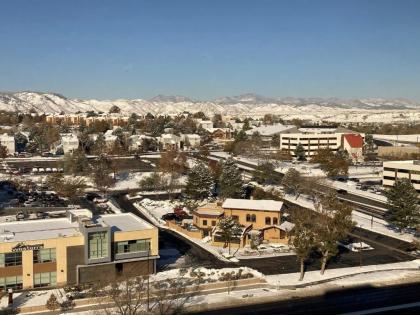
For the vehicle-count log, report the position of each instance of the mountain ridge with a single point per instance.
(248, 104)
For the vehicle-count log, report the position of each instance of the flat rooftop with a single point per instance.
(258, 205)
(42, 229)
(32, 230)
(125, 222)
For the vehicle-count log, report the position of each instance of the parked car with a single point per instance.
(169, 216)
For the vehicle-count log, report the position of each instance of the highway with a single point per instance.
(339, 301)
(373, 207)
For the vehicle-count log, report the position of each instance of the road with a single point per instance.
(187, 254)
(338, 301)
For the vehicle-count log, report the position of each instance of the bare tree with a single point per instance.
(333, 223)
(303, 238)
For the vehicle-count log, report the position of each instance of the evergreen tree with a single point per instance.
(275, 141)
(99, 145)
(230, 180)
(292, 182)
(199, 182)
(3, 152)
(402, 204)
(229, 229)
(300, 152)
(369, 148)
(20, 141)
(114, 109)
(264, 172)
(52, 303)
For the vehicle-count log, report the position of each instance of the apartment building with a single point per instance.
(394, 170)
(76, 249)
(260, 218)
(312, 138)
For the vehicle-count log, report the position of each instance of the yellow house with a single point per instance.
(78, 248)
(259, 218)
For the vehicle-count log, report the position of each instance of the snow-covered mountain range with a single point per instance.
(252, 105)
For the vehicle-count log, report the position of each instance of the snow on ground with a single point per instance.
(386, 271)
(408, 138)
(362, 220)
(130, 180)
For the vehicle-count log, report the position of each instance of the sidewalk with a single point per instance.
(345, 275)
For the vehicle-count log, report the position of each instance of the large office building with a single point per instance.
(313, 138)
(76, 249)
(394, 170)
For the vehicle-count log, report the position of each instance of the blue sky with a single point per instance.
(210, 48)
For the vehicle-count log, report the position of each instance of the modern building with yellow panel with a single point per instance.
(78, 248)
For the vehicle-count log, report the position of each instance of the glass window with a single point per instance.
(267, 220)
(11, 259)
(213, 223)
(14, 282)
(44, 255)
(275, 221)
(45, 279)
(132, 246)
(204, 222)
(248, 218)
(98, 245)
(253, 218)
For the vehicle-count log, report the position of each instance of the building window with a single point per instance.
(275, 221)
(44, 255)
(45, 279)
(248, 218)
(213, 223)
(132, 246)
(14, 283)
(98, 245)
(253, 218)
(267, 220)
(204, 222)
(11, 259)
(236, 218)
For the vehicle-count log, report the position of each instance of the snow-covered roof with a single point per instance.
(32, 230)
(261, 205)
(287, 226)
(124, 222)
(269, 130)
(208, 211)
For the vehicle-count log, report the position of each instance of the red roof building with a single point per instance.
(354, 141)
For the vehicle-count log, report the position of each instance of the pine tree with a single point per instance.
(229, 229)
(300, 153)
(52, 303)
(230, 180)
(275, 141)
(292, 182)
(402, 204)
(199, 182)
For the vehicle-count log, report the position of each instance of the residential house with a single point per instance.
(259, 218)
(8, 142)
